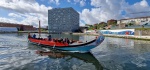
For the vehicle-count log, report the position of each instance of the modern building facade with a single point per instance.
(63, 20)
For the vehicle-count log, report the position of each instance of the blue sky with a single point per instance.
(132, 1)
(91, 11)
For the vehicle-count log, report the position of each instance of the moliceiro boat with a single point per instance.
(71, 46)
(74, 46)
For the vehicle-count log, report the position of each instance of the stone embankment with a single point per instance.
(142, 32)
(138, 33)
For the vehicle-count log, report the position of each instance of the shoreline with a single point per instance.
(25, 32)
(147, 38)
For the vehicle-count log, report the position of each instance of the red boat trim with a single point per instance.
(68, 45)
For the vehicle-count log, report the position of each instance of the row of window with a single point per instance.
(8, 29)
(137, 20)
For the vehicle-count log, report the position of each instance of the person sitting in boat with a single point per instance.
(61, 39)
(72, 41)
(29, 36)
(64, 40)
(49, 37)
(67, 40)
(34, 36)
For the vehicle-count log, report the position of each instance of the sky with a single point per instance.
(29, 12)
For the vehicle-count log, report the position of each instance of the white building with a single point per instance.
(136, 21)
(63, 20)
(8, 29)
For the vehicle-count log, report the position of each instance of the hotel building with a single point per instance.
(63, 20)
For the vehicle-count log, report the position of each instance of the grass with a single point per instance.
(142, 28)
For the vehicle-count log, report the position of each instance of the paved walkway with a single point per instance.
(122, 36)
(144, 37)
(129, 36)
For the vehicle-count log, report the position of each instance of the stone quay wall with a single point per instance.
(142, 32)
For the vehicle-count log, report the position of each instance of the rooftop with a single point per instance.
(136, 18)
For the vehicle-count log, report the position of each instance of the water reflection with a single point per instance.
(85, 57)
(62, 61)
(124, 54)
(136, 45)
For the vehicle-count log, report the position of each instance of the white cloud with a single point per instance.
(103, 10)
(3, 19)
(54, 1)
(82, 23)
(23, 6)
(144, 3)
(68, 1)
(14, 15)
(90, 16)
(76, 0)
(29, 10)
(82, 3)
(138, 9)
(112, 9)
(28, 19)
(35, 20)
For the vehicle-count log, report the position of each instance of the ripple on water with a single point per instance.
(112, 54)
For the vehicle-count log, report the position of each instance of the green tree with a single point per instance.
(130, 24)
(102, 25)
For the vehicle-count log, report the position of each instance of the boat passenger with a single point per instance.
(61, 39)
(64, 39)
(67, 40)
(34, 36)
(71, 41)
(29, 36)
(49, 38)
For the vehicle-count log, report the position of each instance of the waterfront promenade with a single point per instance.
(129, 37)
(107, 35)
(118, 36)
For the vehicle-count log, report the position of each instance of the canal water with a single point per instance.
(113, 54)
